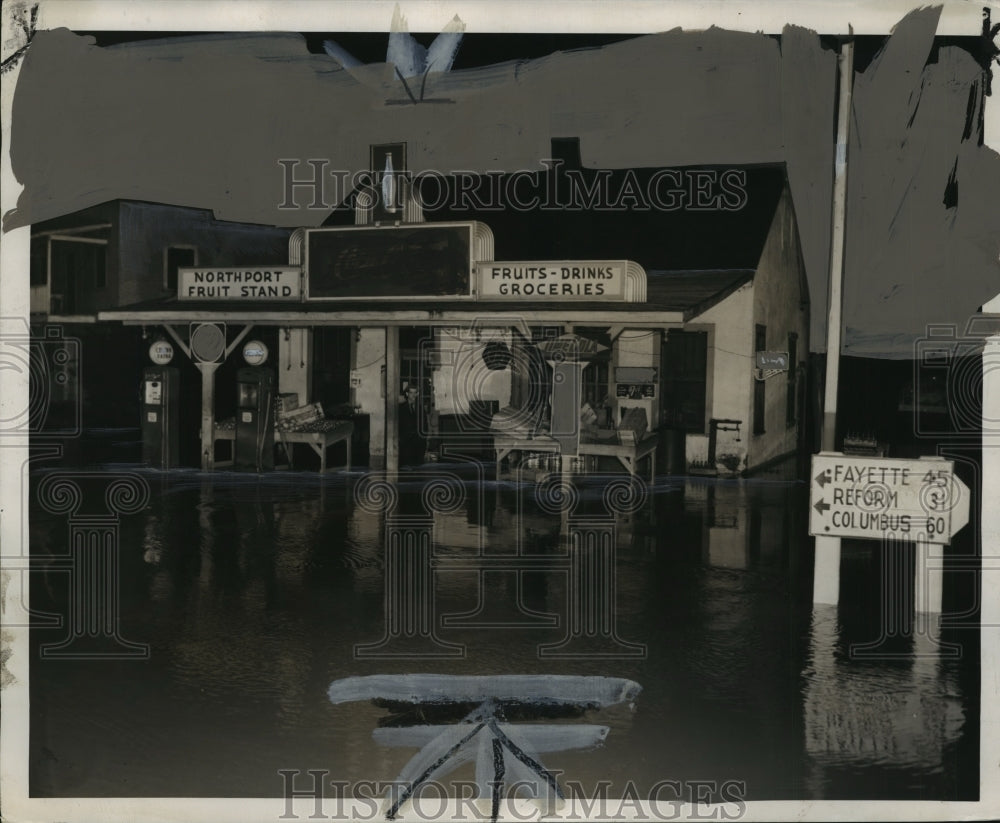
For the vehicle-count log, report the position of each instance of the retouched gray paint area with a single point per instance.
(203, 122)
(541, 737)
(549, 689)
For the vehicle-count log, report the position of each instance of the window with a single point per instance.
(101, 267)
(409, 368)
(759, 344)
(174, 258)
(415, 347)
(542, 333)
(39, 261)
(595, 384)
(792, 396)
(684, 363)
(78, 267)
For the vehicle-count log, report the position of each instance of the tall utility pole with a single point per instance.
(845, 63)
(826, 572)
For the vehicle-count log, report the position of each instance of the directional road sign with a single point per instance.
(875, 497)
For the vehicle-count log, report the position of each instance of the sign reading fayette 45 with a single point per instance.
(871, 497)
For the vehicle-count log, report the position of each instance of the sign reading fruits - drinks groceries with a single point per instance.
(245, 284)
(597, 280)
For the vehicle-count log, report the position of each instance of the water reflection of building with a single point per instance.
(742, 524)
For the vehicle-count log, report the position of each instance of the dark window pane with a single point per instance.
(684, 362)
(760, 344)
(178, 258)
(39, 262)
(790, 411)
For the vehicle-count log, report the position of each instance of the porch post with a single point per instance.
(391, 399)
(207, 415)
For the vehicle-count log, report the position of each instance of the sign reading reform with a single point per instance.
(249, 283)
(872, 497)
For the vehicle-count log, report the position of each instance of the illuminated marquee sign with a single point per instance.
(581, 280)
(247, 283)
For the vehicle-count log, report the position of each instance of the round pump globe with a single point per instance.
(255, 353)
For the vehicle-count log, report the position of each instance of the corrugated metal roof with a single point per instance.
(693, 292)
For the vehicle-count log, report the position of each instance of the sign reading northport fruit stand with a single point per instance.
(871, 497)
(245, 283)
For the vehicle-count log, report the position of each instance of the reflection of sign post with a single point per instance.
(873, 498)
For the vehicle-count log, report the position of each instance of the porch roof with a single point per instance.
(673, 298)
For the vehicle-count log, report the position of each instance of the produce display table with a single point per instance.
(319, 436)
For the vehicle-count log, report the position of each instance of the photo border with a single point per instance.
(495, 16)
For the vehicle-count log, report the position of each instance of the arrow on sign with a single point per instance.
(821, 506)
(823, 478)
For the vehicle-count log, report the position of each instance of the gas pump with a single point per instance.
(254, 446)
(160, 416)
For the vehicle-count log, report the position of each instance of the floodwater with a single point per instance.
(253, 593)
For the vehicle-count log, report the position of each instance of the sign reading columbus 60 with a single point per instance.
(870, 497)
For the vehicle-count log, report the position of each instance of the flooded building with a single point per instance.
(661, 328)
(127, 251)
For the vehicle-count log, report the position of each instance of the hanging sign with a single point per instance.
(772, 360)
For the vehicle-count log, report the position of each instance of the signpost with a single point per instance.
(874, 498)
(869, 497)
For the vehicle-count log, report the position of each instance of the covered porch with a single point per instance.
(472, 368)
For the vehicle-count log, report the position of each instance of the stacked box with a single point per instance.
(633, 426)
(300, 418)
(286, 403)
